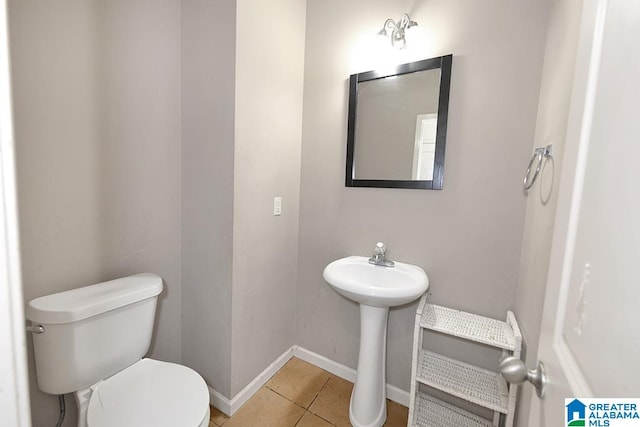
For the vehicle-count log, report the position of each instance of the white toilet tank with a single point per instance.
(91, 333)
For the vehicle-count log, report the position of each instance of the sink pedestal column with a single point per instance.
(368, 406)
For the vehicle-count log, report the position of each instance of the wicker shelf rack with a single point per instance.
(479, 386)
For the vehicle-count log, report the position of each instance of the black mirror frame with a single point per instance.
(442, 62)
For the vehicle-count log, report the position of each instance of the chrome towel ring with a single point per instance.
(540, 154)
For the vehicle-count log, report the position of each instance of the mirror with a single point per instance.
(398, 125)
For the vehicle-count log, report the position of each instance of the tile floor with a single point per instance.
(302, 395)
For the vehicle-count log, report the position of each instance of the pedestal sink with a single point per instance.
(375, 288)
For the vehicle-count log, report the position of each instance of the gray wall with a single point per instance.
(268, 113)
(241, 130)
(97, 109)
(153, 137)
(208, 97)
(553, 112)
(467, 236)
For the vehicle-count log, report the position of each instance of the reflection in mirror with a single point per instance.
(397, 126)
(424, 150)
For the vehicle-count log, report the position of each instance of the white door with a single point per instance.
(424, 151)
(14, 387)
(590, 339)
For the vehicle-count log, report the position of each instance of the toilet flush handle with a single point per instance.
(35, 329)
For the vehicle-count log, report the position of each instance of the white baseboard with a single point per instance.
(393, 393)
(325, 363)
(229, 407)
(219, 401)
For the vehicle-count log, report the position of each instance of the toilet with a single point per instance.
(91, 341)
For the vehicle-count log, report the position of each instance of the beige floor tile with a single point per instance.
(332, 403)
(311, 420)
(266, 409)
(217, 417)
(397, 415)
(212, 424)
(299, 381)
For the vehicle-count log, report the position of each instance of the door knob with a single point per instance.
(514, 371)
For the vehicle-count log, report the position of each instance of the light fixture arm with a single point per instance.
(397, 30)
(406, 22)
(390, 24)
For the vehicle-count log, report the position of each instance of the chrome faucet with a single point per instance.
(379, 257)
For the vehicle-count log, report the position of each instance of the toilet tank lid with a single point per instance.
(82, 303)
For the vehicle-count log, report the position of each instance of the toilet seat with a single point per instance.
(150, 393)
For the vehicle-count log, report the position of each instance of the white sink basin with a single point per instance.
(374, 285)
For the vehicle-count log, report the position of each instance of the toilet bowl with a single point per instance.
(91, 341)
(149, 393)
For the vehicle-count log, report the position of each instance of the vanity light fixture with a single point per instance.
(395, 31)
